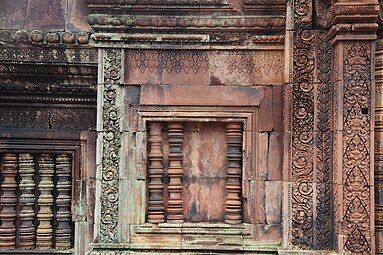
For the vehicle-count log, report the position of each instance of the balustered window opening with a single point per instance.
(194, 172)
(35, 201)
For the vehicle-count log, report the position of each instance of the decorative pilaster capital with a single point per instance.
(353, 20)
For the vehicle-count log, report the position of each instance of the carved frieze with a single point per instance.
(219, 67)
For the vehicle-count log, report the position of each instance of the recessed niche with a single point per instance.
(194, 172)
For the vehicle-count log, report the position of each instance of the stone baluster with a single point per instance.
(45, 201)
(155, 171)
(233, 210)
(63, 201)
(8, 202)
(175, 172)
(27, 200)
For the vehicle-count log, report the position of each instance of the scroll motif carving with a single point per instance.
(63, 201)
(175, 172)
(110, 146)
(27, 200)
(302, 139)
(233, 210)
(8, 202)
(44, 230)
(155, 204)
(323, 224)
(356, 146)
(303, 10)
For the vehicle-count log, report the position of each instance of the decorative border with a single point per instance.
(302, 139)
(323, 223)
(356, 146)
(110, 143)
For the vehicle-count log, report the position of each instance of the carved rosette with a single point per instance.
(27, 200)
(63, 201)
(356, 173)
(175, 172)
(233, 209)
(302, 139)
(8, 202)
(110, 122)
(156, 213)
(44, 230)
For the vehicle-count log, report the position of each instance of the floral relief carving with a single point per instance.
(110, 147)
(302, 139)
(356, 144)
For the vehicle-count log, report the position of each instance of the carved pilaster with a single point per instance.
(233, 209)
(45, 201)
(175, 172)
(353, 148)
(63, 201)
(379, 148)
(27, 200)
(8, 202)
(302, 139)
(155, 170)
(109, 144)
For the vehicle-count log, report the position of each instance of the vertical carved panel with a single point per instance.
(156, 203)
(175, 172)
(27, 200)
(356, 146)
(110, 143)
(302, 139)
(379, 148)
(44, 230)
(233, 210)
(8, 202)
(63, 201)
(323, 223)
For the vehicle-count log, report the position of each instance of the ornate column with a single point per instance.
(8, 202)
(27, 200)
(109, 144)
(63, 201)
(233, 210)
(353, 125)
(175, 172)
(155, 171)
(44, 230)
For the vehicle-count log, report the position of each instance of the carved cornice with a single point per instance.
(187, 6)
(343, 12)
(46, 47)
(48, 94)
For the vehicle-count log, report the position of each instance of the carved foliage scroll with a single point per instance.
(110, 146)
(303, 10)
(302, 139)
(356, 146)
